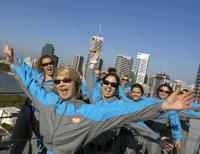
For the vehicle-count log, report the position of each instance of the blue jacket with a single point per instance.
(34, 73)
(192, 114)
(121, 90)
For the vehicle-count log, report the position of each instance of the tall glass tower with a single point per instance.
(141, 66)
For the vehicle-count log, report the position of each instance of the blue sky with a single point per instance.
(167, 30)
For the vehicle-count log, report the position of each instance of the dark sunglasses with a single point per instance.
(125, 79)
(113, 84)
(65, 80)
(167, 92)
(46, 64)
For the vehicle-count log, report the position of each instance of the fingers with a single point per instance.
(188, 95)
(176, 92)
(5, 48)
(168, 147)
(188, 108)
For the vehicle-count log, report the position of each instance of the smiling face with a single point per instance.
(48, 66)
(136, 93)
(163, 92)
(109, 87)
(66, 87)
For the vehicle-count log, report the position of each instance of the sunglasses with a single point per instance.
(125, 79)
(46, 64)
(113, 84)
(167, 92)
(65, 80)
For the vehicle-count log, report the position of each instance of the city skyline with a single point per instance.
(168, 31)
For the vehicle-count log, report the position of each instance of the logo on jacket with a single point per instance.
(76, 120)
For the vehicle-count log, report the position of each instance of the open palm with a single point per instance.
(179, 102)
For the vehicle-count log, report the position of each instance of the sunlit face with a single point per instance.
(163, 92)
(109, 87)
(136, 93)
(48, 66)
(125, 80)
(98, 74)
(66, 87)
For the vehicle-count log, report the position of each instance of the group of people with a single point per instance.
(102, 115)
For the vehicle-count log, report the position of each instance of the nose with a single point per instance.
(109, 85)
(61, 83)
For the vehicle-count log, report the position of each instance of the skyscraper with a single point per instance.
(48, 49)
(96, 43)
(197, 86)
(141, 66)
(123, 65)
(100, 66)
(78, 63)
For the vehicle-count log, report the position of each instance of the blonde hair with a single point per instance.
(39, 62)
(69, 72)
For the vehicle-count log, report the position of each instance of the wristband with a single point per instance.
(93, 62)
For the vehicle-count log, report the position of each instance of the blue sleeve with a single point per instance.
(97, 92)
(192, 113)
(121, 93)
(41, 95)
(175, 121)
(120, 108)
(196, 105)
(84, 90)
(33, 73)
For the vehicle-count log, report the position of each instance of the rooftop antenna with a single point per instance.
(100, 29)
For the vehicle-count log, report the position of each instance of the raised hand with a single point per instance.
(164, 144)
(93, 60)
(96, 55)
(5, 48)
(9, 54)
(179, 102)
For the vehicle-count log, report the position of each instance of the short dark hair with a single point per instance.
(137, 85)
(114, 75)
(164, 85)
(112, 70)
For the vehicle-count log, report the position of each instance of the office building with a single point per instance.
(123, 65)
(78, 63)
(197, 86)
(141, 66)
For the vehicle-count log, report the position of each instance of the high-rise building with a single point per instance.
(96, 43)
(100, 64)
(197, 86)
(48, 49)
(78, 63)
(123, 65)
(141, 66)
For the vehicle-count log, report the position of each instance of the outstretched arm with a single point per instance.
(189, 114)
(91, 76)
(9, 52)
(39, 94)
